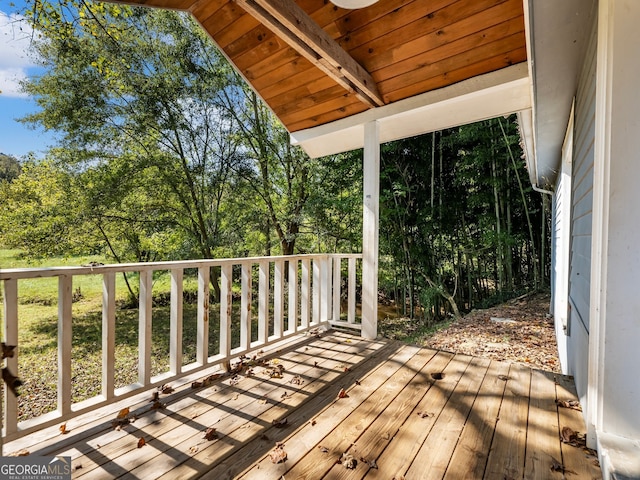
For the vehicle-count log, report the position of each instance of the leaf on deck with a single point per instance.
(63, 429)
(342, 393)
(210, 434)
(278, 455)
(122, 414)
(166, 389)
(348, 461)
(572, 404)
(369, 463)
(141, 442)
(279, 423)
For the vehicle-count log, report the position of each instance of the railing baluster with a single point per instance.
(175, 327)
(305, 291)
(278, 298)
(225, 310)
(263, 301)
(202, 341)
(313, 298)
(351, 296)
(325, 288)
(316, 289)
(64, 343)
(245, 306)
(336, 288)
(108, 334)
(10, 296)
(293, 296)
(144, 327)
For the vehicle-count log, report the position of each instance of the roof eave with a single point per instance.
(490, 95)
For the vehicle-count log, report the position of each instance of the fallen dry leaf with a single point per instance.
(141, 442)
(262, 401)
(568, 435)
(63, 429)
(279, 423)
(424, 414)
(437, 375)
(196, 384)
(122, 414)
(323, 449)
(167, 389)
(572, 404)
(348, 461)
(278, 455)
(312, 422)
(342, 393)
(193, 450)
(210, 434)
(369, 463)
(297, 380)
(20, 453)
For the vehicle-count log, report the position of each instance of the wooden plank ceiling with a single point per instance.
(314, 63)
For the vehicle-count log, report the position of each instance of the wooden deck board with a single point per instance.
(483, 419)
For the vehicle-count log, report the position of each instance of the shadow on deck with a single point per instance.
(408, 412)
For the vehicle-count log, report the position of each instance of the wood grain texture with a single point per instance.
(482, 420)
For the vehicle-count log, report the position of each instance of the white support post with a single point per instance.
(144, 327)
(64, 343)
(108, 334)
(175, 326)
(202, 340)
(370, 222)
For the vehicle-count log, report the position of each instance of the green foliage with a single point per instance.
(9, 168)
(457, 218)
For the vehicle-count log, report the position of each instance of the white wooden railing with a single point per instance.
(308, 295)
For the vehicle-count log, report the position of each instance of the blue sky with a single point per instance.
(15, 138)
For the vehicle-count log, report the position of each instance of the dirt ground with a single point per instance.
(518, 331)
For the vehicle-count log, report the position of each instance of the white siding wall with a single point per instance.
(561, 248)
(577, 343)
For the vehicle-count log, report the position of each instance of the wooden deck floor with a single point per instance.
(482, 419)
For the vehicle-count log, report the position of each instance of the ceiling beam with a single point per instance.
(292, 24)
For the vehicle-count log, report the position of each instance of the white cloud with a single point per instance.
(15, 38)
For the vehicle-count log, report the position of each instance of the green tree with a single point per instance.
(9, 168)
(136, 94)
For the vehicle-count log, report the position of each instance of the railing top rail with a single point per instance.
(44, 272)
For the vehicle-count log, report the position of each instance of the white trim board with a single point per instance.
(502, 92)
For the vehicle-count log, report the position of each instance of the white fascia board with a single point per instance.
(503, 92)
